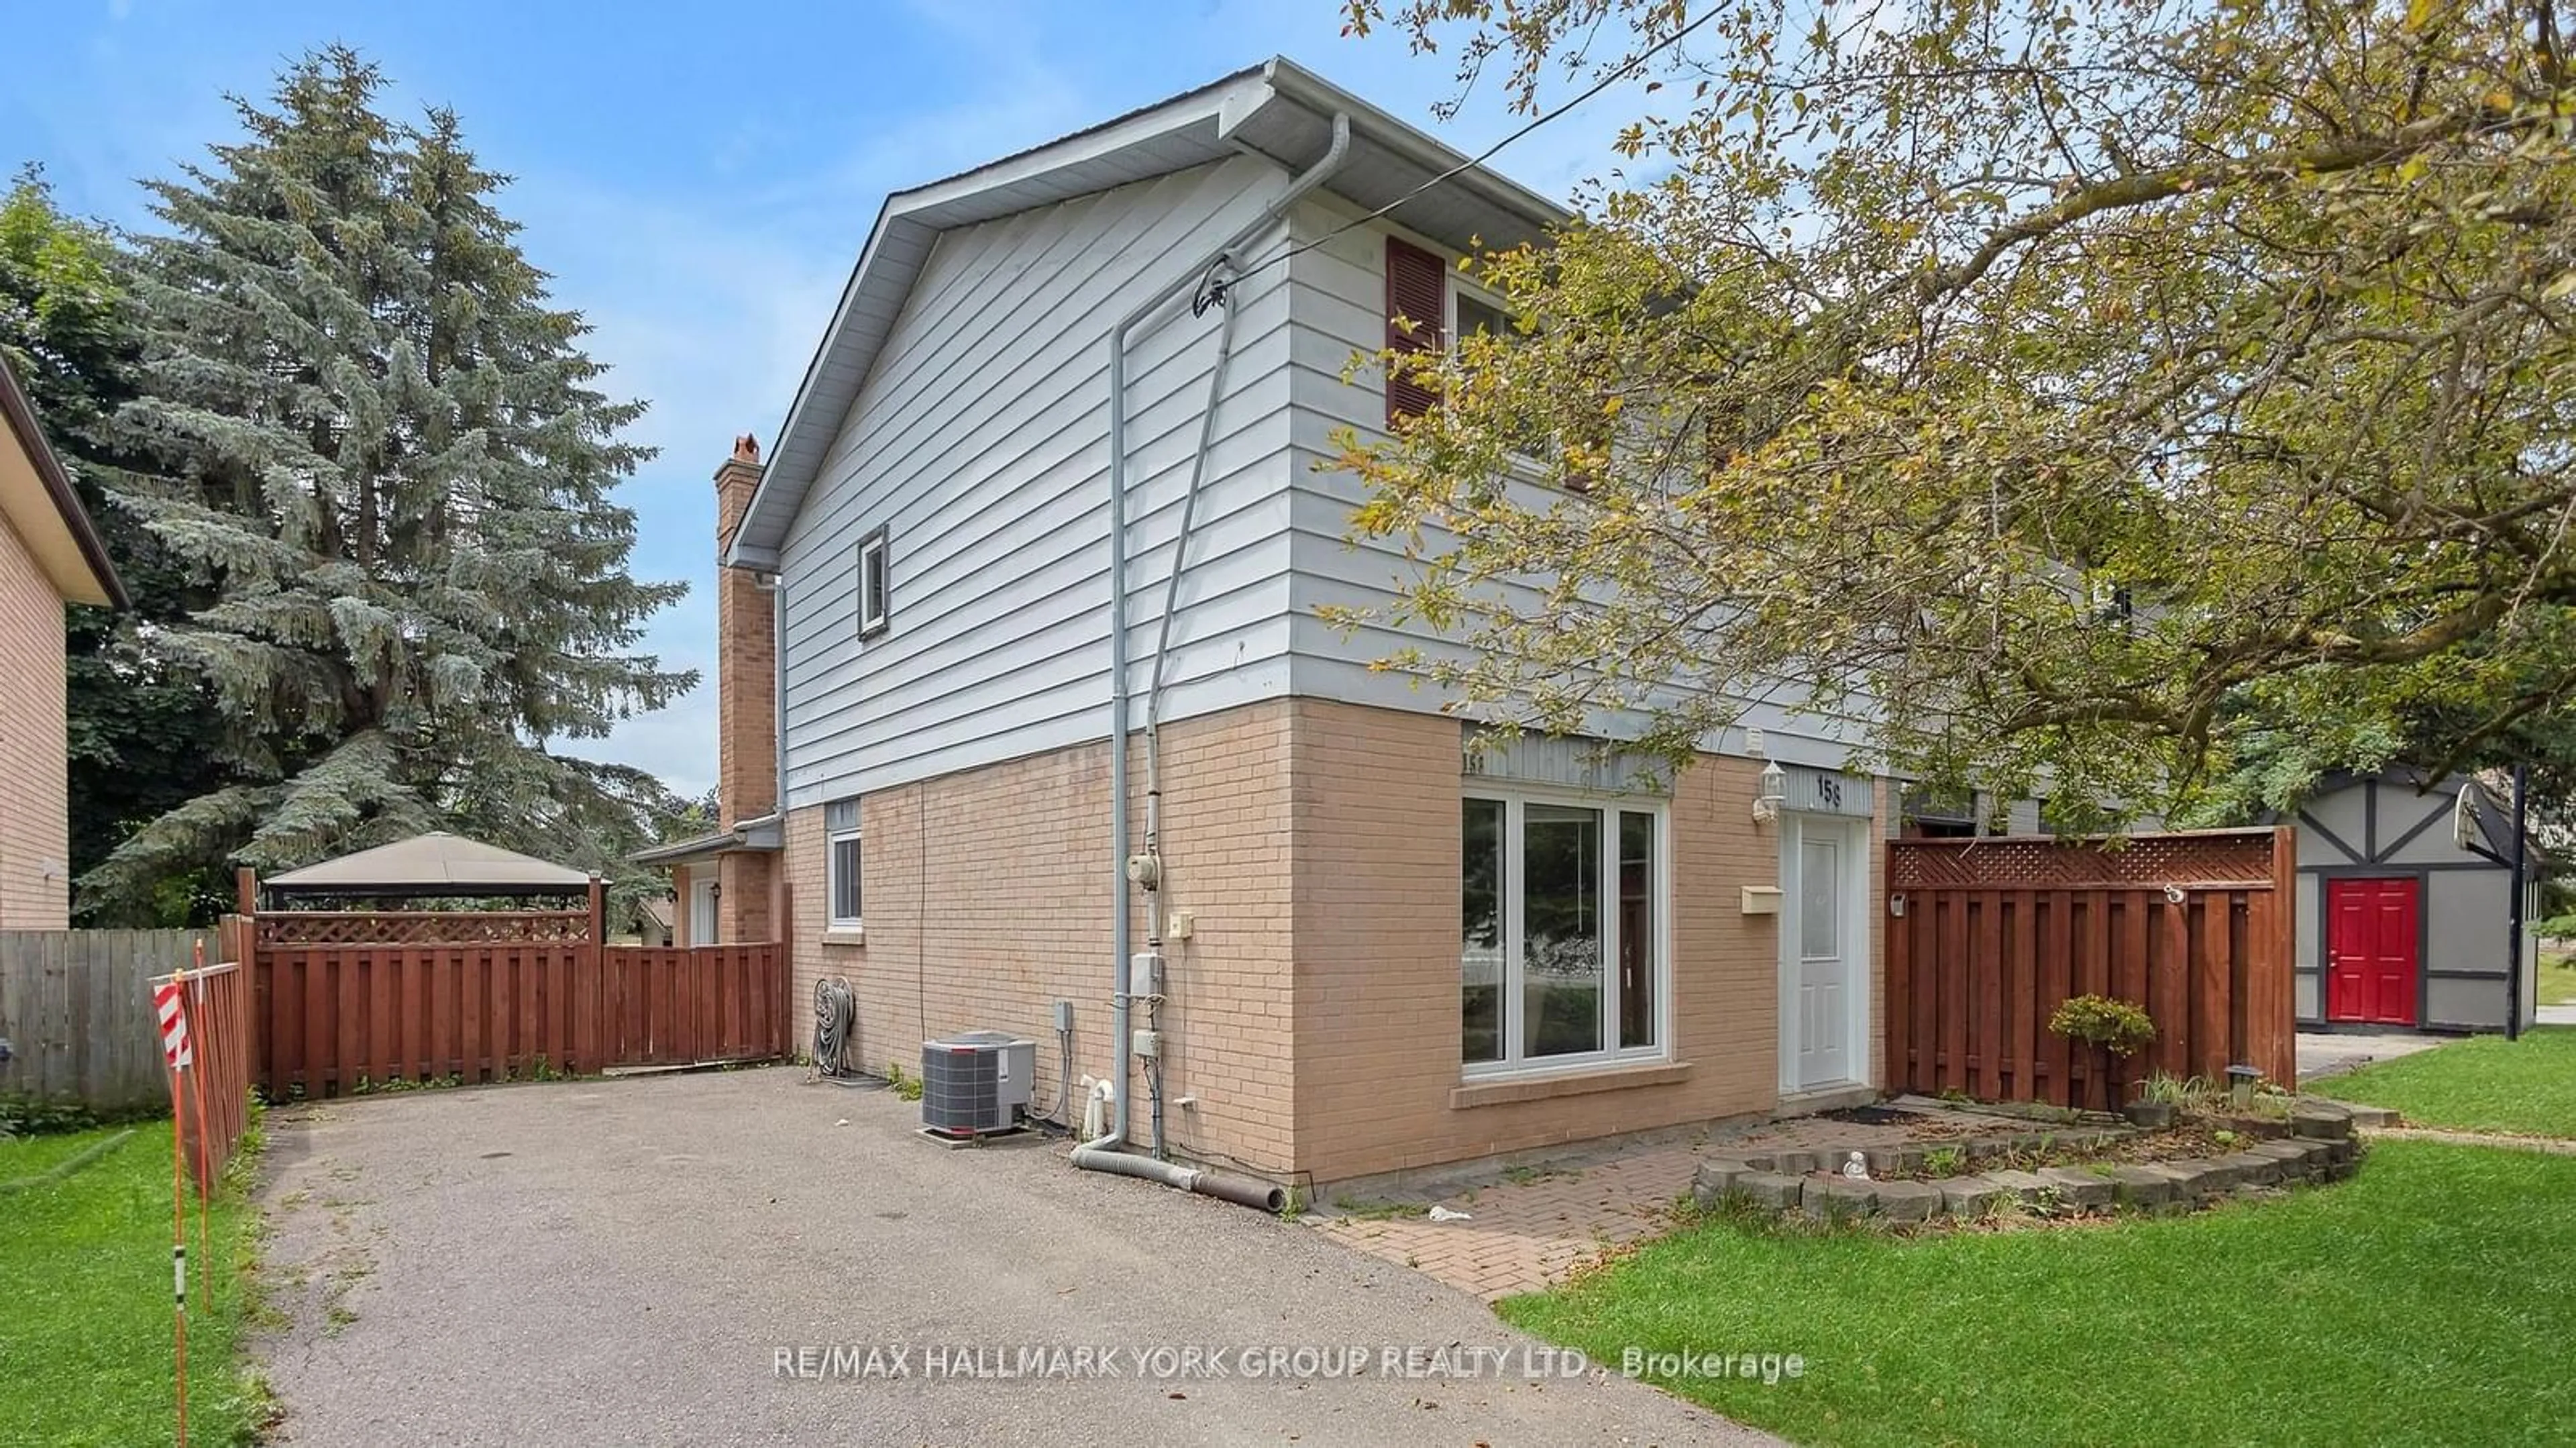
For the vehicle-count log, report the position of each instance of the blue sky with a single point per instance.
(698, 177)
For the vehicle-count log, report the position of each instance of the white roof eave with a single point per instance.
(1279, 110)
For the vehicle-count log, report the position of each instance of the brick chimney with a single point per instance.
(746, 710)
(747, 659)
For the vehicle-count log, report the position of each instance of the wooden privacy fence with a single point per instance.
(1994, 934)
(76, 1010)
(215, 1108)
(335, 1017)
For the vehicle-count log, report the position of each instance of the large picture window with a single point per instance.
(1563, 957)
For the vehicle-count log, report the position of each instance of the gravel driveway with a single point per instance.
(624, 1262)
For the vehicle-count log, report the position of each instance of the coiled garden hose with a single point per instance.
(836, 1020)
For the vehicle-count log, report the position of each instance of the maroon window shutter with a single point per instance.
(1414, 285)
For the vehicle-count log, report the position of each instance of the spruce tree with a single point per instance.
(68, 330)
(383, 451)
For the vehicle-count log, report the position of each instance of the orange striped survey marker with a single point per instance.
(168, 1003)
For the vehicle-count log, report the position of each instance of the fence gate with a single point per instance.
(1988, 936)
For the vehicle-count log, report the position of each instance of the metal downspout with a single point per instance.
(1097, 1155)
(1221, 284)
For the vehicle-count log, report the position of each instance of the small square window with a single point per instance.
(876, 587)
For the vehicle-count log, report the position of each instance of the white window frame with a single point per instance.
(833, 839)
(1515, 799)
(873, 555)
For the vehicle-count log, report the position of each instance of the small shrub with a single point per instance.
(1944, 1161)
(24, 1115)
(2117, 1026)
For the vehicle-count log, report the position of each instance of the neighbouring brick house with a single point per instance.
(50, 556)
(724, 884)
(1380, 950)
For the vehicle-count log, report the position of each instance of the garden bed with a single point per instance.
(2071, 1172)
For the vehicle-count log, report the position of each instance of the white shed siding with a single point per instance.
(1338, 308)
(980, 440)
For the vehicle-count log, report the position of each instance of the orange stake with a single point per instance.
(179, 1252)
(169, 1001)
(205, 1141)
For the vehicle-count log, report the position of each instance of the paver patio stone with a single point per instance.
(1907, 1201)
(1774, 1190)
(1972, 1196)
(2078, 1187)
(1828, 1197)
(2143, 1186)
(2025, 1186)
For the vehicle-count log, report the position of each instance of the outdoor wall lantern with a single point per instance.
(1774, 788)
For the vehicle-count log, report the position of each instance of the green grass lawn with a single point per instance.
(2557, 980)
(2484, 1083)
(85, 1312)
(2417, 1303)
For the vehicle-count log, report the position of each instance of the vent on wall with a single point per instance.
(975, 1084)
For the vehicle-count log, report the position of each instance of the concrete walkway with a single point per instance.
(624, 1262)
(2332, 1053)
(2557, 1015)
(2546, 1145)
(1538, 1226)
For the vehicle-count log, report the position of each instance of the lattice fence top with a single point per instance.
(419, 927)
(2211, 858)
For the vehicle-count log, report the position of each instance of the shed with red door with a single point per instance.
(2405, 905)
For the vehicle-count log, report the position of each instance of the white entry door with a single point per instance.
(1818, 950)
(702, 910)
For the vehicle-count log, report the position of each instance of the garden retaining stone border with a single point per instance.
(2315, 1145)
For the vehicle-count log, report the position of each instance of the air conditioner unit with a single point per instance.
(976, 1083)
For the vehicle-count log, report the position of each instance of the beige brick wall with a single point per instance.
(743, 896)
(987, 899)
(35, 836)
(1377, 957)
(1313, 1013)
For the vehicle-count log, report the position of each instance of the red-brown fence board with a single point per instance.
(369, 1007)
(1995, 934)
(211, 1104)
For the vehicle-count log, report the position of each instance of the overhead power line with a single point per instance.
(1622, 71)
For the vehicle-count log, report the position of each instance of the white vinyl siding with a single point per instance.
(980, 443)
(1339, 302)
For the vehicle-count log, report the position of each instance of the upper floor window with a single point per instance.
(1438, 307)
(875, 587)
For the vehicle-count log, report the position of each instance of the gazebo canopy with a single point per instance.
(435, 864)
